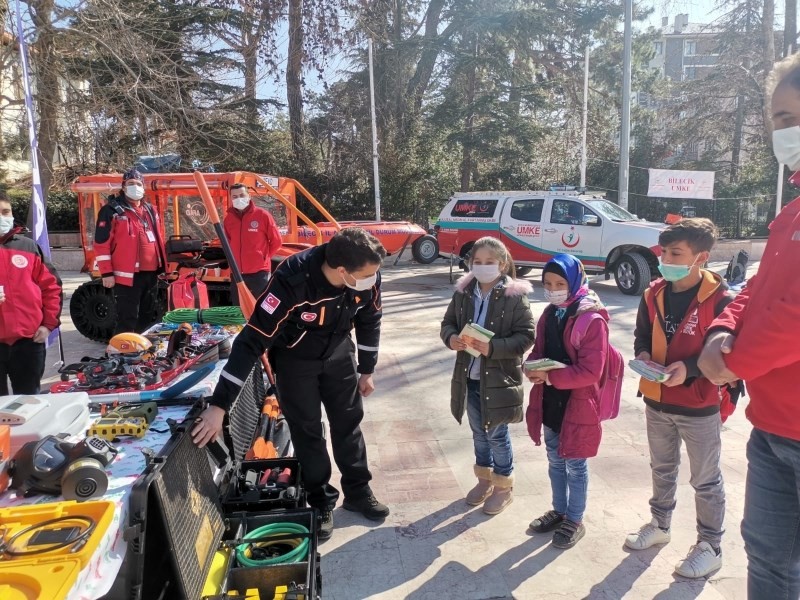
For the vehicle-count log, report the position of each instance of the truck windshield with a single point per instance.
(612, 211)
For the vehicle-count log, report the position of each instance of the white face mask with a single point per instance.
(6, 225)
(486, 273)
(361, 285)
(240, 203)
(786, 146)
(557, 297)
(134, 192)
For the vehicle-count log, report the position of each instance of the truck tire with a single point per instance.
(522, 271)
(93, 311)
(425, 249)
(632, 274)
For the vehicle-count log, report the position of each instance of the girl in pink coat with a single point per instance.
(565, 400)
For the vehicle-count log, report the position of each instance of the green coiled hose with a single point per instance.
(298, 553)
(216, 315)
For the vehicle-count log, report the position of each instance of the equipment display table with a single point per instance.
(98, 576)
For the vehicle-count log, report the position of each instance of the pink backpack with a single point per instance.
(611, 380)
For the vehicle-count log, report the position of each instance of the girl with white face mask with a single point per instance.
(563, 402)
(487, 379)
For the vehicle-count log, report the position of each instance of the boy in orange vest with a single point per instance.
(673, 318)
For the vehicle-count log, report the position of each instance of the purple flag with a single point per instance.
(39, 220)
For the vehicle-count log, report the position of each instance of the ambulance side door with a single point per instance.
(521, 229)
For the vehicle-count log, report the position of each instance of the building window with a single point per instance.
(659, 48)
(690, 73)
(689, 48)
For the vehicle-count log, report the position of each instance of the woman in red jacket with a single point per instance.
(565, 400)
(756, 339)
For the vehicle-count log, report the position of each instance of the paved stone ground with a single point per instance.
(434, 546)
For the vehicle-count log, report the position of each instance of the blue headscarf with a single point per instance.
(571, 269)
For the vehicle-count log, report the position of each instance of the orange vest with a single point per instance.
(686, 342)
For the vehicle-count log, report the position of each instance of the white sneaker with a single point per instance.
(649, 535)
(701, 561)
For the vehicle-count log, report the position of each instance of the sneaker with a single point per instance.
(547, 522)
(568, 534)
(325, 526)
(648, 535)
(367, 506)
(702, 560)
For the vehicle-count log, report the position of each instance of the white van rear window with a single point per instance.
(474, 208)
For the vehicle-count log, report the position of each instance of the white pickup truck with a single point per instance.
(537, 225)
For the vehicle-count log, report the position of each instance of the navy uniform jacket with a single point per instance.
(302, 313)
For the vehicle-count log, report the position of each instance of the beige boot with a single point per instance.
(483, 488)
(501, 496)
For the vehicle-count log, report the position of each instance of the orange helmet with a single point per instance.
(128, 343)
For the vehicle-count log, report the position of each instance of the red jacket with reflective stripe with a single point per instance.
(31, 287)
(254, 238)
(765, 317)
(116, 239)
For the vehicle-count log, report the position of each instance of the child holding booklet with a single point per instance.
(565, 400)
(489, 386)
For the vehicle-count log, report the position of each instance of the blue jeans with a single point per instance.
(771, 524)
(493, 447)
(569, 480)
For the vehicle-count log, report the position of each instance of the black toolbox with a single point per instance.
(182, 507)
(241, 493)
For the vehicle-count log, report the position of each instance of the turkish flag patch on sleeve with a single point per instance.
(270, 303)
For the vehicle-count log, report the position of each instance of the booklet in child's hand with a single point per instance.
(542, 364)
(477, 332)
(650, 370)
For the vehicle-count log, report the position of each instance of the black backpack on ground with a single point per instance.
(737, 268)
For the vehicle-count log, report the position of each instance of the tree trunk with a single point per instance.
(421, 79)
(768, 33)
(294, 84)
(45, 72)
(250, 56)
(466, 156)
(790, 28)
(736, 149)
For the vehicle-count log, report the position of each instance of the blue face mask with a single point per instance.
(674, 273)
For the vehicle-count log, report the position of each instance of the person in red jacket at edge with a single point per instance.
(254, 239)
(130, 253)
(756, 339)
(30, 306)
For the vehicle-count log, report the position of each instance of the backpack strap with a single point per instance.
(582, 322)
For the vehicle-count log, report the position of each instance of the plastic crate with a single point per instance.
(235, 498)
(267, 578)
(175, 521)
(243, 417)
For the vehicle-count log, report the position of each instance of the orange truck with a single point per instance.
(183, 213)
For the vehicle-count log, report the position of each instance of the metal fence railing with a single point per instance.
(735, 218)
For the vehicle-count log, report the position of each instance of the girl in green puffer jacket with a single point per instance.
(489, 386)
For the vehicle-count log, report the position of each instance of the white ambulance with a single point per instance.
(537, 225)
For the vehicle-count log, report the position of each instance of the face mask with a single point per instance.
(786, 146)
(486, 273)
(134, 192)
(241, 203)
(6, 225)
(361, 285)
(558, 297)
(674, 272)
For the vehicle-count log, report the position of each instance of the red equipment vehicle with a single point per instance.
(182, 212)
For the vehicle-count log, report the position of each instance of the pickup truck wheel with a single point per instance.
(632, 274)
(425, 249)
(522, 271)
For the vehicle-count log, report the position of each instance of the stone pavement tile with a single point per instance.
(353, 533)
(676, 590)
(427, 484)
(409, 455)
(621, 471)
(357, 575)
(413, 430)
